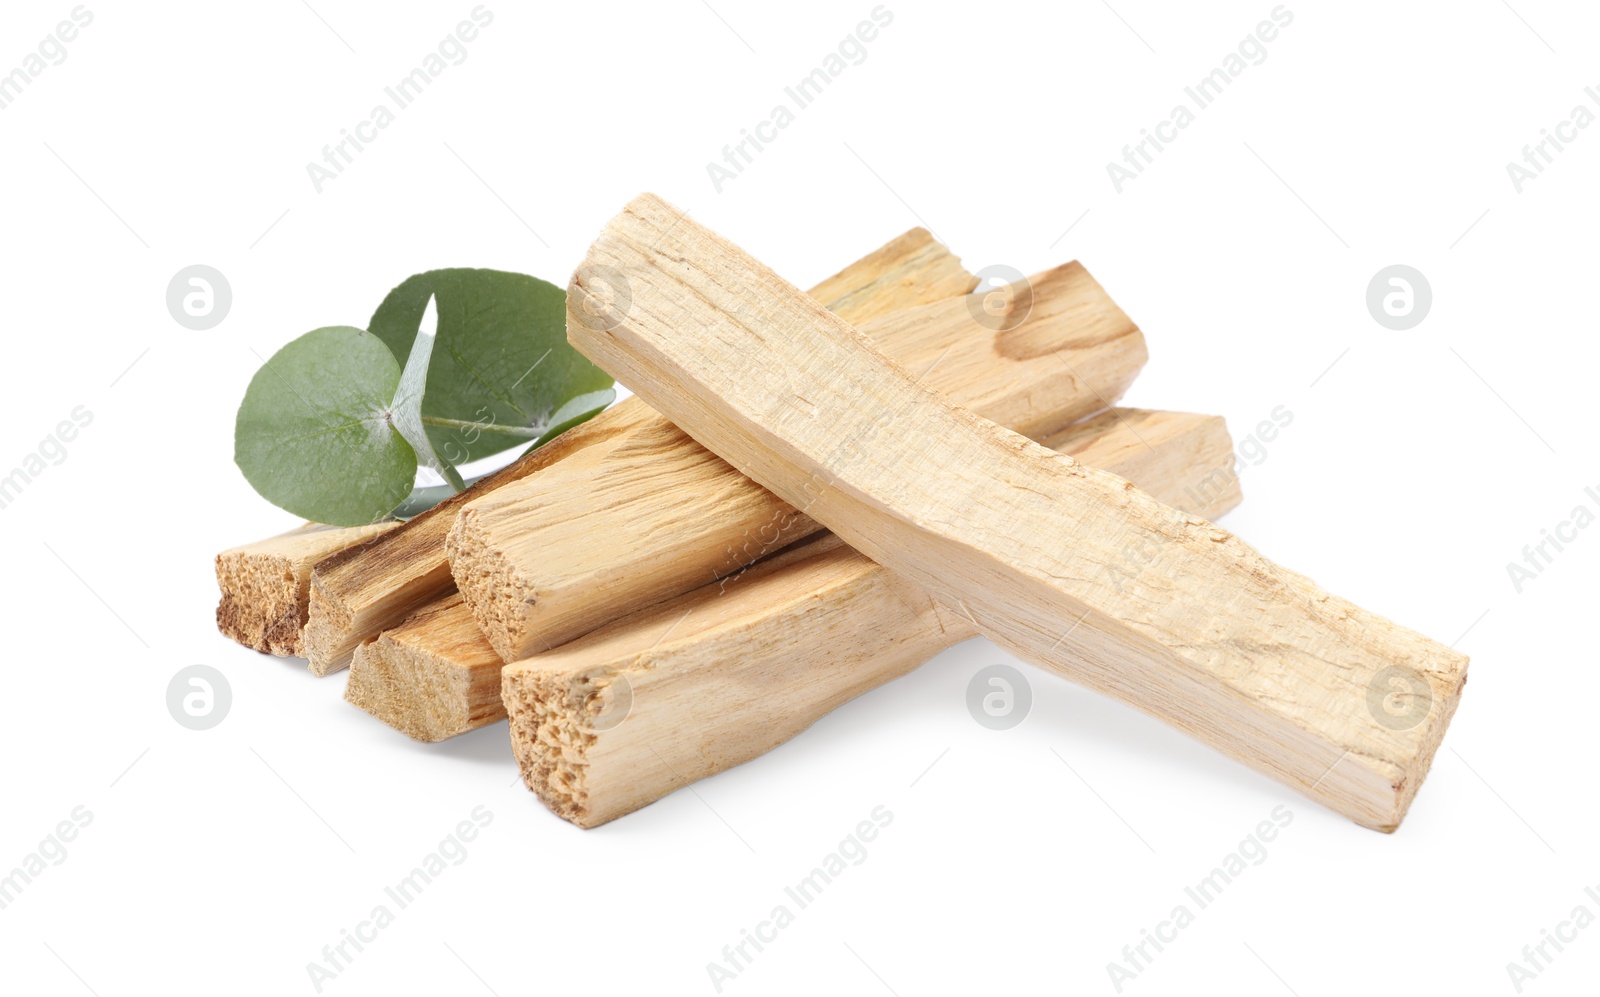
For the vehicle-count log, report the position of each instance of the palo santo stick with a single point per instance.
(550, 558)
(265, 584)
(432, 677)
(719, 676)
(358, 593)
(1203, 633)
(436, 675)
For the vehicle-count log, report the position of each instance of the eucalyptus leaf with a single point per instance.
(501, 369)
(408, 401)
(315, 432)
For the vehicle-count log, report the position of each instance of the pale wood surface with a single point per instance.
(560, 553)
(725, 674)
(265, 584)
(359, 593)
(432, 677)
(1198, 629)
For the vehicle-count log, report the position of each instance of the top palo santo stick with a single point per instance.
(360, 592)
(552, 557)
(1200, 630)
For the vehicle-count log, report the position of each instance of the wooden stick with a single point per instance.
(436, 675)
(264, 584)
(1202, 632)
(360, 592)
(432, 677)
(557, 555)
(722, 675)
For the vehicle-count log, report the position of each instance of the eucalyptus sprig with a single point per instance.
(334, 426)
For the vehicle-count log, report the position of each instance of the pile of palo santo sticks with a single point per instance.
(646, 615)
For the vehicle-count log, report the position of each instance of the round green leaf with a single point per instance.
(315, 431)
(501, 370)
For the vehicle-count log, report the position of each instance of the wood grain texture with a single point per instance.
(554, 556)
(1195, 628)
(724, 674)
(265, 585)
(432, 677)
(437, 675)
(359, 593)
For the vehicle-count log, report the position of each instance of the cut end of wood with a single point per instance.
(335, 628)
(431, 678)
(329, 640)
(552, 733)
(499, 594)
(264, 585)
(1378, 792)
(261, 606)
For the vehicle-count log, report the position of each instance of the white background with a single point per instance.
(1417, 465)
